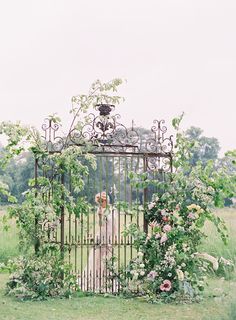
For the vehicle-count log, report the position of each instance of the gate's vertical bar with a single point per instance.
(88, 241)
(125, 214)
(119, 237)
(113, 240)
(62, 219)
(70, 190)
(81, 248)
(131, 208)
(145, 196)
(76, 245)
(37, 243)
(94, 237)
(139, 200)
(100, 226)
(107, 235)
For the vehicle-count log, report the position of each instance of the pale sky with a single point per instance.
(177, 55)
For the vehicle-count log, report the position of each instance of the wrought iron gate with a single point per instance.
(94, 238)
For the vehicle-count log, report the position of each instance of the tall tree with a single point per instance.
(204, 148)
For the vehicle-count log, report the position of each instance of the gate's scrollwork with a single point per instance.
(106, 133)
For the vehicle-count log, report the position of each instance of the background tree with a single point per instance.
(204, 148)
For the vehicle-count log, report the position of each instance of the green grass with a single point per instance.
(219, 298)
(213, 244)
(8, 240)
(218, 303)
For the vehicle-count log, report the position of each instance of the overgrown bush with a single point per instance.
(40, 277)
(168, 265)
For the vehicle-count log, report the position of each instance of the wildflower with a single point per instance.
(180, 274)
(163, 238)
(140, 254)
(157, 236)
(142, 273)
(191, 216)
(167, 228)
(177, 208)
(151, 205)
(195, 206)
(166, 285)
(153, 224)
(165, 218)
(142, 265)
(185, 247)
(152, 275)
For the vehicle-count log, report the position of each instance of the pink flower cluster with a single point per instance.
(167, 228)
(163, 238)
(166, 285)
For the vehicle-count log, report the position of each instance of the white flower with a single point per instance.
(151, 205)
(140, 254)
(142, 273)
(180, 274)
(142, 265)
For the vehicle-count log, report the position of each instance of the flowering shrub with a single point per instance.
(168, 265)
(45, 273)
(40, 277)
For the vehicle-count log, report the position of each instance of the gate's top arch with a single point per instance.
(104, 133)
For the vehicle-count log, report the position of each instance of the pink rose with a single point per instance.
(152, 275)
(163, 212)
(165, 219)
(163, 238)
(167, 228)
(165, 286)
(157, 236)
(191, 215)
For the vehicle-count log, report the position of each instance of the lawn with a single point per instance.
(219, 298)
(219, 302)
(8, 239)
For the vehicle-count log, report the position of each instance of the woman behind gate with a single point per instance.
(96, 273)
